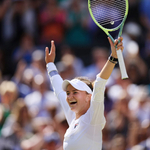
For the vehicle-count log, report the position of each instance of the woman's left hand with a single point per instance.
(114, 45)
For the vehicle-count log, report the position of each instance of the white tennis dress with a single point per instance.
(84, 133)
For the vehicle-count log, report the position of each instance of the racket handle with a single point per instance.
(122, 65)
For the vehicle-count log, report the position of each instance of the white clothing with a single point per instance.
(84, 133)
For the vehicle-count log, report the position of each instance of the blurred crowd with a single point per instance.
(31, 117)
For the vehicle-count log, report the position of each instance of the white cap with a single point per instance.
(77, 84)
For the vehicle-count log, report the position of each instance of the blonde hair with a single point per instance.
(9, 87)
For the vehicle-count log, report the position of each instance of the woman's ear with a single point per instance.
(88, 98)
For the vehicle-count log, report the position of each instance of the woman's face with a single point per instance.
(79, 101)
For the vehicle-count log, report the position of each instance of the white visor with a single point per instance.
(77, 84)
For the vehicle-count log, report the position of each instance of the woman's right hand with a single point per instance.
(50, 56)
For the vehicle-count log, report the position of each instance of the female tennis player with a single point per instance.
(82, 102)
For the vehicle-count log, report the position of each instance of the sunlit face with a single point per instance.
(79, 101)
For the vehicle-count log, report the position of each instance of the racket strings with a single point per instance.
(111, 4)
(108, 11)
(111, 21)
(117, 17)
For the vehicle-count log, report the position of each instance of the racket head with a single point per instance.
(109, 15)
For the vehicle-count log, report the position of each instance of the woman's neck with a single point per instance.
(79, 114)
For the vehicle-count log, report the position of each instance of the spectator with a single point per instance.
(99, 58)
(52, 22)
(18, 20)
(42, 102)
(145, 14)
(9, 93)
(77, 25)
(25, 50)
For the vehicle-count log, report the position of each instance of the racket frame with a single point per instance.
(119, 52)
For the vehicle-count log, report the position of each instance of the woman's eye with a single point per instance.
(68, 93)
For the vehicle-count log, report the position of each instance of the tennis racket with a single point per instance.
(110, 15)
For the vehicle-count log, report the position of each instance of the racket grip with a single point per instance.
(122, 65)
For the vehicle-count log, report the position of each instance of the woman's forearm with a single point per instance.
(107, 70)
(110, 64)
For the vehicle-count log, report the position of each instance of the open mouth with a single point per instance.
(73, 103)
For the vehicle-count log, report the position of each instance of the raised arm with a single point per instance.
(55, 78)
(57, 81)
(109, 66)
